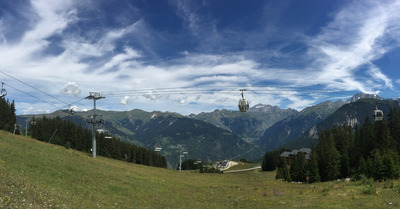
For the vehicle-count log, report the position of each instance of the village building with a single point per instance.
(289, 156)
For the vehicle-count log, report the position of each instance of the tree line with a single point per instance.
(371, 149)
(67, 133)
(8, 119)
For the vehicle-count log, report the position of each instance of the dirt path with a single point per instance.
(230, 164)
(248, 169)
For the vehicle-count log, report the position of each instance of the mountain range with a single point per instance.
(225, 134)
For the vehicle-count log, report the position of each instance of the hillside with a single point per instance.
(350, 114)
(171, 131)
(39, 175)
(220, 134)
(292, 127)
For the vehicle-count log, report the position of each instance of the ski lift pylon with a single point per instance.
(243, 104)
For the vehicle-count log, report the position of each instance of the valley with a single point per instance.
(224, 134)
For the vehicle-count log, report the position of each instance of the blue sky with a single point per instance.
(193, 56)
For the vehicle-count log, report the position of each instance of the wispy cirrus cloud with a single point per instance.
(128, 56)
(356, 37)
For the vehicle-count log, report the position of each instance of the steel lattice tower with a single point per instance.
(93, 119)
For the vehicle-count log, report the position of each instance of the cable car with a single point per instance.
(243, 104)
(378, 114)
(3, 91)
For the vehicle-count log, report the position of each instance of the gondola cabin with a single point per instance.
(243, 105)
(378, 115)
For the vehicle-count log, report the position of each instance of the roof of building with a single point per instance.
(285, 154)
(307, 151)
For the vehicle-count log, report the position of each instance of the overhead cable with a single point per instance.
(34, 87)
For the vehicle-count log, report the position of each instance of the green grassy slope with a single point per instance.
(39, 175)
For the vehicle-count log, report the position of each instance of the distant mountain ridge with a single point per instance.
(250, 125)
(352, 113)
(292, 127)
(363, 96)
(224, 134)
(172, 132)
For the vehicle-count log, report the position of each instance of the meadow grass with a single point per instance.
(34, 174)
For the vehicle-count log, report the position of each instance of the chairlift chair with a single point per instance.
(107, 134)
(3, 91)
(378, 115)
(71, 111)
(243, 104)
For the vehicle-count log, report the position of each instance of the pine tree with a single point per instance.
(297, 168)
(8, 119)
(286, 173)
(362, 168)
(312, 167)
(378, 171)
(394, 126)
(365, 139)
(391, 165)
(344, 166)
(279, 173)
(328, 157)
(270, 161)
(383, 140)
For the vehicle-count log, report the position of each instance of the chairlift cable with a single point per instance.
(33, 96)
(69, 106)
(33, 87)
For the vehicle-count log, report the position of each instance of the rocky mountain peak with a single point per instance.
(363, 96)
(265, 108)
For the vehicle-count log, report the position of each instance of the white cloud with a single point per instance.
(352, 40)
(125, 100)
(349, 44)
(186, 11)
(71, 88)
(34, 111)
(377, 75)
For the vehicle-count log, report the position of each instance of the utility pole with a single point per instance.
(93, 119)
